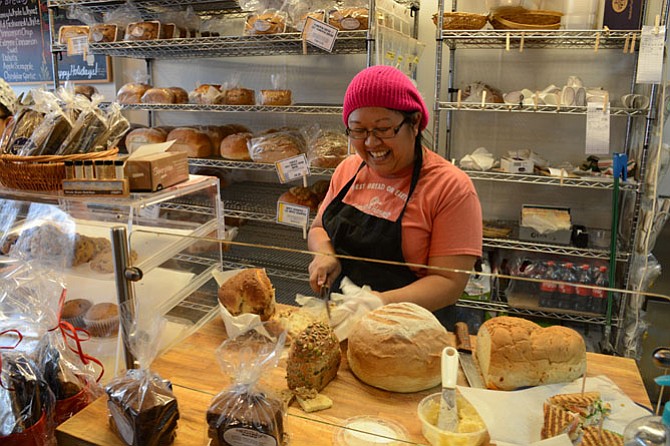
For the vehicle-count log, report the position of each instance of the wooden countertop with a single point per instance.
(193, 369)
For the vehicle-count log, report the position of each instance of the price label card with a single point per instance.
(77, 45)
(292, 214)
(597, 128)
(320, 34)
(650, 58)
(290, 169)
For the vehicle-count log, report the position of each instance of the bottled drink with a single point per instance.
(548, 290)
(649, 431)
(566, 291)
(598, 295)
(583, 295)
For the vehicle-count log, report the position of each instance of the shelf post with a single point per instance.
(124, 290)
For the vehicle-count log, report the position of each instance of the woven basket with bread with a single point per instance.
(461, 20)
(42, 172)
(521, 18)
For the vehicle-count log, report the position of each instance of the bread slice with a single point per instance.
(594, 436)
(320, 402)
(588, 406)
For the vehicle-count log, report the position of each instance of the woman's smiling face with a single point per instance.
(386, 156)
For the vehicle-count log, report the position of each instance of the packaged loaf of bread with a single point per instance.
(180, 95)
(326, 147)
(235, 146)
(157, 96)
(194, 142)
(205, 94)
(186, 23)
(88, 131)
(246, 405)
(276, 146)
(397, 347)
(54, 128)
(143, 410)
(279, 94)
(514, 352)
(269, 21)
(149, 30)
(350, 15)
(299, 11)
(67, 32)
(24, 124)
(475, 91)
(132, 92)
(103, 32)
(236, 96)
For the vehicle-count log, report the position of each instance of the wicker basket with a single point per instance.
(461, 20)
(43, 172)
(519, 18)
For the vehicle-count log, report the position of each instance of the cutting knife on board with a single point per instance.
(447, 418)
(324, 295)
(465, 356)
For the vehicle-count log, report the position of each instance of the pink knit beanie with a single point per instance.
(383, 86)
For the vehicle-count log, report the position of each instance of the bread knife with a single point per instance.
(324, 295)
(465, 358)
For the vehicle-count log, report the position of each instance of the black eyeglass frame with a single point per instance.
(374, 131)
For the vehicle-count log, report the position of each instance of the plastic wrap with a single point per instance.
(276, 146)
(246, 408)
(142, 408)
(300, 10)
(87, 130)
(350, 15)
(26, 121)
(267, 17)
(326, 147)
(52, 130)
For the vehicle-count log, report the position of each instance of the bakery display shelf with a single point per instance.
(579, 182)
(249, 165)
(563, 38)
(517, 108)
(253, 200)
(348, 42)
(528, 309)
(323, 109)
(166, 304)
(149, 8)
(529, 302)
(545, 248)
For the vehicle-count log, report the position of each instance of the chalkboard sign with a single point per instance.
(25, 47)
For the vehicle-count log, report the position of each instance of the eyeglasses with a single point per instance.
(379, 132)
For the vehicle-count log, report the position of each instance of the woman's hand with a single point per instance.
(323, 269)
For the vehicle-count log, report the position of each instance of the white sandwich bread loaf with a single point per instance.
(514, 352)
(397, 347)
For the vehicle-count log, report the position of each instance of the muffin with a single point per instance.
(102, 320)
(74, 310)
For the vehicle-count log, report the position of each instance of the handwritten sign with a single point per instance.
(25, 47)
(290, 169)
(597, 128)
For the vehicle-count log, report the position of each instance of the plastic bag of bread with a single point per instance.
(186, 23)
(205, 94)
(24, 124)
(233, 93)
(88, 131)
(266, 17)
(54, 128)
(195, 143)
(96, 31)
(326, 147)
(350, 15)
(475, 92)
(132, 92)
(300, 10)
(246, 404)
(279, 94)
(143, 411)
(273, 147)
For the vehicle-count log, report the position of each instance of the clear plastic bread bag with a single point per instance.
(326, 147)
(90, 125)
(300, 10)
(267, 17)
(143, 410)
(248, 408)
(54, 128)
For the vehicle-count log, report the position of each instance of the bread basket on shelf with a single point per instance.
(42, 172)
(461, 20)
(521, 18)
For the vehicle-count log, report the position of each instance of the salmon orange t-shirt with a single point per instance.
(443, 216)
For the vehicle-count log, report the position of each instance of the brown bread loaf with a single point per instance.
(314, 358)
(250, 291)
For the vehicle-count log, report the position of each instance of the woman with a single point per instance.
(395, 201)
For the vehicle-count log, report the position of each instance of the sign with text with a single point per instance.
(290, 169)
(292, 214)
(319, 34)
(25, 47)
(597, 128)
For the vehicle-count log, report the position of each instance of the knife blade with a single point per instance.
(448, 415)
(324, 295)
(465, 357)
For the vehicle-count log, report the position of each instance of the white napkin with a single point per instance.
(516, 417)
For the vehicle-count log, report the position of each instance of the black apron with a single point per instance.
(355, 233)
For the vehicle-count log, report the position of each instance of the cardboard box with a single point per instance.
(516, 165)
(562, 219)
(156, 171)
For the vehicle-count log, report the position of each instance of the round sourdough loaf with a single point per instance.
(514, 352)
(397, 347)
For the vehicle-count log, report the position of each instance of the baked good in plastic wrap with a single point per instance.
(246, 406)
(352, 15)
(475, 92)
(104, 32)
(67, 32)
(327, 148)
(276, 146)
(279, 94)
(205, 94)
(195, 143)
(143, 411)
(149, 30)
(234, 147)
(237, 96)
(139, 137)
(132, 92)
(269, 21)
(314, 358)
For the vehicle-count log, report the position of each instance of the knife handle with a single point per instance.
(449, 367)
(462, 337)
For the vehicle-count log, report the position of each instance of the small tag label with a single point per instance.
(292, 214)
(77, 45)
(597, 128)
(319, 34)
(650, 59)
(290, 169)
